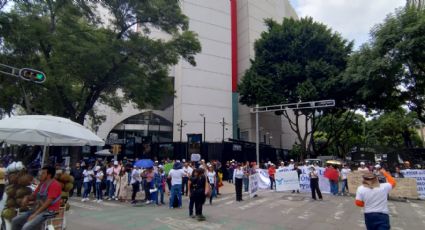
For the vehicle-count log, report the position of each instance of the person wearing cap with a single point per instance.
(176, 175)
(99, 178)
(291, 164)
(314, 183)
(363, 168)
(88, 178)
(373, 196)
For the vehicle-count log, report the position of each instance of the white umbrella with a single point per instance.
(104, 152)
(46, 130)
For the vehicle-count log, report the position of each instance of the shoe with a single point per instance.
(83, 200)
(116, 198)
(148, 202)
(298, 191)
(99, 201)
(192, 216)
(201, 218)
(133, 202)
(293, 192)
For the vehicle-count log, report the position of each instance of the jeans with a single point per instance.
(161, 194)
(20, 221)
(272, 182)
(334, 187)
(77, 184)
(213, 193)
(176, 190)
(87, 187)
(345, 186)
(246, 183)
(111, 189)
(377, 221)
(99, 190)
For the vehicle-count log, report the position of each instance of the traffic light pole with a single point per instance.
(26, 74)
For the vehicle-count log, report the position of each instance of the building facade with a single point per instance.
(206, 98)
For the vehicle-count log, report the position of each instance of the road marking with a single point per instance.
(178, 224)
(338, 214)
(80, 205)
(252, 204)
(230, 202)
(286, 212)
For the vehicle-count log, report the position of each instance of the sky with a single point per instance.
(352, 18)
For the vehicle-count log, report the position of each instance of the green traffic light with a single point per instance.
(39, 76)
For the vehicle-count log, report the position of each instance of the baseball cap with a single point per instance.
(115, 162)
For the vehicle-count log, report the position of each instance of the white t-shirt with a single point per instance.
(345, 172)
(365, 169)
(109, 174)
(188, 171)
(99, 176)
(211, 177)
(375, 200)
(135, 176)
(176, 176)
(88, 175)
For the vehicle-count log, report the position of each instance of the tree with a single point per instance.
(89, 59)
(390, 70)
(297, 60)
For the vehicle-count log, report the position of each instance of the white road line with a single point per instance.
(80, 205)
(252, 204)
(287, 211)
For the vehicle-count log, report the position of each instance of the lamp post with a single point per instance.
(159, 128)
(181, 125)
(223, 124)
(204, 118)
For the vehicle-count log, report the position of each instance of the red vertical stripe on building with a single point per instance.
(234, 29)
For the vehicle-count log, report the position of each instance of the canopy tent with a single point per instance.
(104, 152)
(46, 130)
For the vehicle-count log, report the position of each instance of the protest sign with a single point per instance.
(253, 185)
(263, 179)
(286, 181)
(419, 175)
(405, 187)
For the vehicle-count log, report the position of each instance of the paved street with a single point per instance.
(270, 210)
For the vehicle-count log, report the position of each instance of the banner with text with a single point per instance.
(304, 181)
(253, 184)
(286, 180)
(419, 175)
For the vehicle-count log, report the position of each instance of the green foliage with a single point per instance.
(298, 60)
(390, 71)
(89, 59)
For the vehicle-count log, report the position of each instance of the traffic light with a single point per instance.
(32, 75)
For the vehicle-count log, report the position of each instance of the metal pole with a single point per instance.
(223, 129)
(159, 130)
(205, 133)
(257, 137)
(181, 130)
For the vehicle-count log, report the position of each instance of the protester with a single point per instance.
(160, 180)
(198, 189)
(188, 172)
(99, 178)
(212, 181)
(332, 174)
(344, 173)
(238, 175)
(2, 180)
(246, 169)
(150, 186)
(373, 196)
(121, 185)
(135, 183)
(272, 172)
(48, 199)
(397, 173)
(88, 178)
(110, 190)
(230, 170)
(77, 173)
(176, 175)
(314, 183)
(298, 170)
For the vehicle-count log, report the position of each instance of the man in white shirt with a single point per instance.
(344, 173)
(176, 175)
(135, 183)
(188, 172)
(373, 196)
(87, 182)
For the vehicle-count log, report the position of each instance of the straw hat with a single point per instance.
(370, 180)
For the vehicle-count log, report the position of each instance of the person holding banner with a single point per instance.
(373, 196)
(238, 175)
(272, 172)
(299, 172)
(314, 183)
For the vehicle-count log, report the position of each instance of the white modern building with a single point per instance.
(227, 30)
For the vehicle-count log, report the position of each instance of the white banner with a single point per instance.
(305, 180)
(286, 181)
(419, 175)
(253, 184)
(263, 179)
